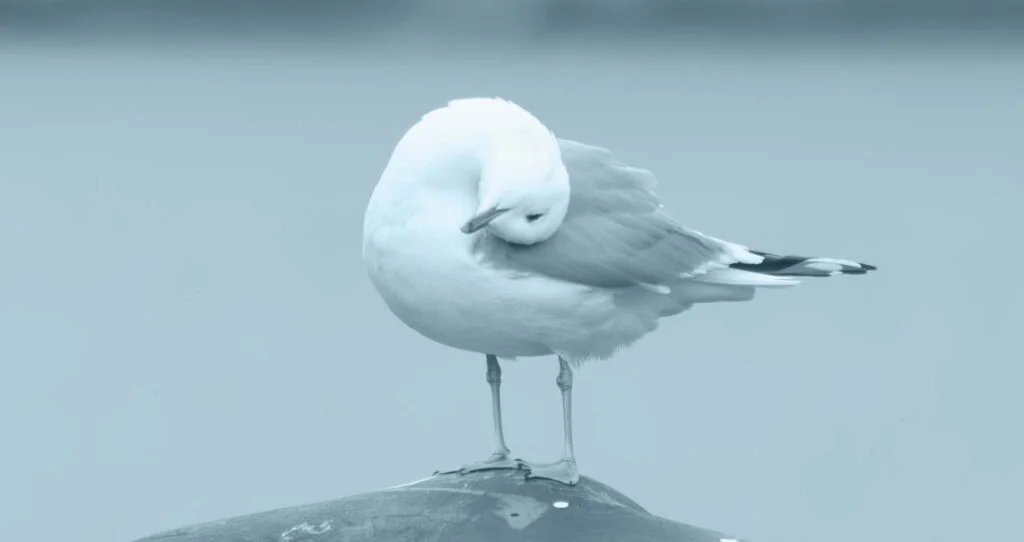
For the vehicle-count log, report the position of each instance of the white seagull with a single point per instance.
(488, 233)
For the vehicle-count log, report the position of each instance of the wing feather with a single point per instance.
(616, 233)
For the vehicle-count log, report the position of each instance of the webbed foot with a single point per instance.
(563, 471)
(497, 461)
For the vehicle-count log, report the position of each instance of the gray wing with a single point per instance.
(615, 233)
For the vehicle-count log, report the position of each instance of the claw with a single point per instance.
(563, 471)
(495, 462)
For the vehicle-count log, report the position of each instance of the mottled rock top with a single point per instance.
(489, 506)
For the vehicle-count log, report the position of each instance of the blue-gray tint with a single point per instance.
(187, 332)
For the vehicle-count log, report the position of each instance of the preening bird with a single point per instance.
(488, 233)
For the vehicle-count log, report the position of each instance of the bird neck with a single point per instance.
(469, 140)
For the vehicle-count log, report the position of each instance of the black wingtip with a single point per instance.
(789, 266)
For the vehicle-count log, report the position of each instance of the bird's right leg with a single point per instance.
(500, 459)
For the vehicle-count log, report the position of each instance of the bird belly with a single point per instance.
(431, 279)
(443, 295)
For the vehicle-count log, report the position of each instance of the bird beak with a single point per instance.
(482, 219)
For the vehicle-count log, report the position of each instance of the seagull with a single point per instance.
(487, 233)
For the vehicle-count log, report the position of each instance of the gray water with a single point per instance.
(187, 332)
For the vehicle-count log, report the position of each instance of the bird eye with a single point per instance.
(534, 217)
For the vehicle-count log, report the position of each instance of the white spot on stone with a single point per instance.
(518, 511)
(297, 532)
(560, 504)
(728, 540)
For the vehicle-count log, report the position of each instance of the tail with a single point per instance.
(776, 270)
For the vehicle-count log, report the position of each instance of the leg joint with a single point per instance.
(493, 370)
(564, 379)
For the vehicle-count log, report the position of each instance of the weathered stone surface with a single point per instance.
(495, 506)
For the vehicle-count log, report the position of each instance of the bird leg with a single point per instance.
(500, 459)
(563, 470)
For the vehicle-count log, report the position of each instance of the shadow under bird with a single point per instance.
(488, 233)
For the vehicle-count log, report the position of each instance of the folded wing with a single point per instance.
(616, 233)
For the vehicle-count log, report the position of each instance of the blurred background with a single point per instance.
(515, 17)
(187, 332)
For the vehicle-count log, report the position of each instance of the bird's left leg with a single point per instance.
(501, 458)
(563, 470)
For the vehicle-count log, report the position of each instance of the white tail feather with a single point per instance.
(738, 277)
